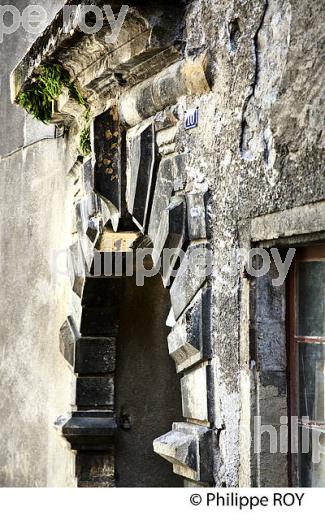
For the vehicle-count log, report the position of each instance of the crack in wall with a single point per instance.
(244, 136)
(271, 45)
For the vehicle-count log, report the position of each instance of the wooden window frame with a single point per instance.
(303, 254)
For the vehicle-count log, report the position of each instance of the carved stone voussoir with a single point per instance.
(189, 341)
(68, 338)
(141, 159)
(194, 271)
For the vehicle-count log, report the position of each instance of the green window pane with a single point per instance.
(311, 381)
(311, 299)
(311, 460)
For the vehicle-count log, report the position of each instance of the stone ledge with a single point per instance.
(90, 430)
(291, 222)
(187, 447)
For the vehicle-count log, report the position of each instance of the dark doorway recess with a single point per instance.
(148, 396)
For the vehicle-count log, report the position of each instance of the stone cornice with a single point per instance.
(144, 46)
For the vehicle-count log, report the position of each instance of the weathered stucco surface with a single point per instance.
(35, 197)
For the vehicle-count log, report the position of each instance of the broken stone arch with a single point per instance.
(136, 176)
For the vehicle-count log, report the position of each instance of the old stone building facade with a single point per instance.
(198, 129)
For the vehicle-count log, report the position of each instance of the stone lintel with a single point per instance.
(290, 222)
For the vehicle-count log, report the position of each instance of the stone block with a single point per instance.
(96, 468)
(193, 272)
(82, 216)
(87, 249)
(162, 196)
(141, 159)
(196, 215)
(188, 447)
(166, 140)
(93, 204)
(78, 268)
(171, 236)
(271, 336)
(195, 398)
(92, 231)
(68, 338)
(103, 292)
(166, 119)
(100, 321)
(180, 170)
(35, 131)
(189, 341)
(183, 78)
(88, 176)
(90, 430)
(95, 355)
(270, 298)
(95, 391)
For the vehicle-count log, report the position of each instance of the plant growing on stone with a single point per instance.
(47, 87)
(85, 144)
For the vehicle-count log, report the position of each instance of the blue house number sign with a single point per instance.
(191, 118)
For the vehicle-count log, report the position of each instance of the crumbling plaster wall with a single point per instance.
(258, 146)
(35, 200)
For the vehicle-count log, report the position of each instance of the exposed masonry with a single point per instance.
(251, 171)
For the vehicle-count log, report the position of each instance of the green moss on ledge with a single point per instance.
(47, 87)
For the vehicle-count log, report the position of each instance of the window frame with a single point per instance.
(303, 254)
